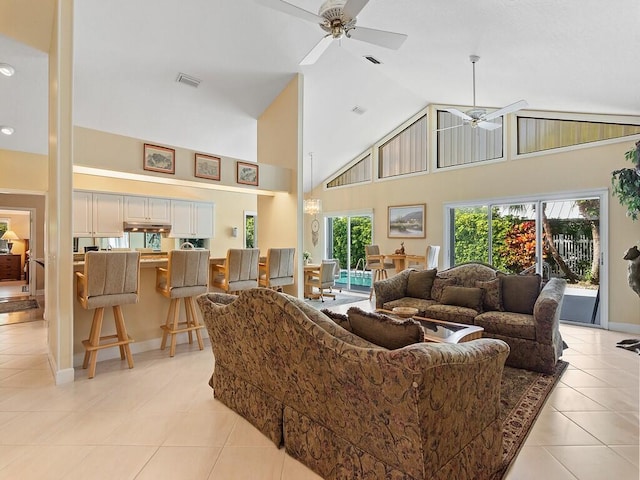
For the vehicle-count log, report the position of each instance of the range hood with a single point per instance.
(146, 227)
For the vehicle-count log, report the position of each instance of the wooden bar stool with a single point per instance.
(186, 276)
(110, 279)
(375, 262)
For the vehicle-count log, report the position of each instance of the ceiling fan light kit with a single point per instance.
(478, 117)
(338, 19)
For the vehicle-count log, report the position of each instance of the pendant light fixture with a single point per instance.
(312, 206)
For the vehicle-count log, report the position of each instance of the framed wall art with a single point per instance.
(247, 173)
(207, 166)
(159, 159)
(407, 221)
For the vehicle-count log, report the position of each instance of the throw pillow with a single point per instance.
(340, 318)
(439, 285)
(492, 295)
(419, 283)
(519, 292)
(384, 331)
(469, 297)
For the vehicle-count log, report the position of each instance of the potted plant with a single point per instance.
(306, 257)
(626, 183)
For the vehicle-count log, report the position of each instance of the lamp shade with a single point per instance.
(312, 206)
(9, 235)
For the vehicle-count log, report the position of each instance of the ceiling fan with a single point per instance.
(478, 117)
(338, 19)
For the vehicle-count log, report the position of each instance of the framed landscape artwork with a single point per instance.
(247, 173)
(407, 221)
(159, 159)
(207, 166)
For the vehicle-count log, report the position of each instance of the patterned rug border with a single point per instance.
(520, 419)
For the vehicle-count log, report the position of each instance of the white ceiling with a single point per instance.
(570, 55)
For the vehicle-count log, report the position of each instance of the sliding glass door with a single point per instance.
(555, 237)
(346, 239)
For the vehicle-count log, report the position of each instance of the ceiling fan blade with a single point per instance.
(458, 113)
(449, 128)
(352, 8)
(508, 109)
(290, 9)
(488, 125)
(317, 51)
(378, 37)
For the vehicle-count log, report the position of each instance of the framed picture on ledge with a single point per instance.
(247, 173)
(207, 166)
(407, 221)
(159, 159)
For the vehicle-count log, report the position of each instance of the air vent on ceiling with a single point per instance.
(373, 60)
(359, 110)
(188, 80)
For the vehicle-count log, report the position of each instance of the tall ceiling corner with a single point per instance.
(28, 21)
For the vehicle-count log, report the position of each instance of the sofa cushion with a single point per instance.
(470, 297)
(420, 282)
(439, 285)
(340, 318)
(420, 303)
(451, 313)
(383, 330)
(492, 299)
(519, 292)
(515, 325)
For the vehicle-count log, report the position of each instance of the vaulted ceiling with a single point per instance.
(570, 55)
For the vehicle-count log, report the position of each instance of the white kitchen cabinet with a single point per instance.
(97, 215)
(191, 219)
(147, 209)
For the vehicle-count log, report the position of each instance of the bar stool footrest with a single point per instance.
(100, 346)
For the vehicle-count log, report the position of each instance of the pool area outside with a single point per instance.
(360, 280)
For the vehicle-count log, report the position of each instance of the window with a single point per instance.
(358, 173)
(406, 152)
(539, 134)
(463, 144)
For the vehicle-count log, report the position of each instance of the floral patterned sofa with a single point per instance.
(348, 408)
(512, 308)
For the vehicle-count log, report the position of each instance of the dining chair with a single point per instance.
(322, 279)
(186, 276)
(375, 262)
(428, 261)
(110, 279)
(239, 272)
(278, 269)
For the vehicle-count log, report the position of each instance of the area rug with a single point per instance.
(522, 396)
(8, 305)
(341, 299)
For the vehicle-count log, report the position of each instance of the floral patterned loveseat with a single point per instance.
(512, 308)
(350, 409)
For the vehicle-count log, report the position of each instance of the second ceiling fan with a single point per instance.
(338, 19)
(478, 117)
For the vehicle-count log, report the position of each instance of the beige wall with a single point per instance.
(28, 21)
(580, 169)
(279, 143)
(106, 151)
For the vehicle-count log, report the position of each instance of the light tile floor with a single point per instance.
(159, 420)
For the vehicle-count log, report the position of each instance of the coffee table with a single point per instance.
(441, 331)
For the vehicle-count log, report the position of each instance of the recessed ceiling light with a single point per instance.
(7, 130)
(7, 70)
